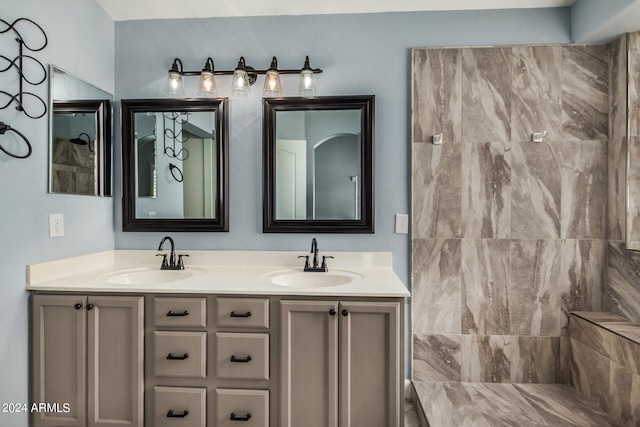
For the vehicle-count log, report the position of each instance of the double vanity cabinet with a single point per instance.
(195, 353)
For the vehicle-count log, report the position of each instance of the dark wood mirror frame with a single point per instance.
(364, 103)
(217, 106)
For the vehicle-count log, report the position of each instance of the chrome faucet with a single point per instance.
(171, 264)
(314, 267)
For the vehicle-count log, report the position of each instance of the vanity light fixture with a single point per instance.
(244, 76)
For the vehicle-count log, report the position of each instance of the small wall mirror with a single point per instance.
(318, 164)
(80, 136)
(175, 165)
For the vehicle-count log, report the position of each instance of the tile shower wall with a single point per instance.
(508, 235)
(621, 294)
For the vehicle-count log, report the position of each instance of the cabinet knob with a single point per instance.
(77, 306)
(90, 306)
(332, 312)
(345, 313)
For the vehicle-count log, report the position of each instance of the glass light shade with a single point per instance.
(207, 84)
(240, 84)
(272, 85)
(307, 83)
(173, 86)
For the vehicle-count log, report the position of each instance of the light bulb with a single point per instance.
(272, 85)
(173, 86)
(307, 83)
(240, 83)
(207, 84)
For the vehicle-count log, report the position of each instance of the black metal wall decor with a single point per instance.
(18, 63)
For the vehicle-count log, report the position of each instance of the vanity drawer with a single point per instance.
(242, 356)
(249, 406)
(191, 312)
(180, 354)
(243, 312)
(180, 406)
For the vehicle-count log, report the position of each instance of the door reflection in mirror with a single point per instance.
(318, 165)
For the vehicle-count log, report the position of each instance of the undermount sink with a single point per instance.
(148, 275)
(302, 279)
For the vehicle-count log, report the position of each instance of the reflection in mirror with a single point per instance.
(80, 136)
(174, 171)
(318, 164)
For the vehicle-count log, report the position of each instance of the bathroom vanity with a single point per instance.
(220, 343)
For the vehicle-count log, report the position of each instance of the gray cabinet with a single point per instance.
(87, 360)
(341, 364)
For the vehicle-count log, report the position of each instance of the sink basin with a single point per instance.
(149, 275)
(301, 279)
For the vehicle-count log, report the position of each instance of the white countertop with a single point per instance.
(217, 272)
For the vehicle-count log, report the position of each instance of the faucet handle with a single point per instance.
(306, 262)
(324, 262)
(180, 263)
(164, 259)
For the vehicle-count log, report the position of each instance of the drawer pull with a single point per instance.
(172, 314)
(170, 356)
(240, 360)
(234, 417)
(172, 414)
(234, 314)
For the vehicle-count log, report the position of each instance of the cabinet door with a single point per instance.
(115, 361)
(370, 363)
(309, 364)
(58, 339)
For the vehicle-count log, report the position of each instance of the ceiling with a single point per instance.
(124, 10)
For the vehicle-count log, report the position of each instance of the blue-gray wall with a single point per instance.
(81, 40)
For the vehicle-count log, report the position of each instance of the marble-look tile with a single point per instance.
(448, 404)
(436, 286)
(590, 374)
(617, 187)
(634, 84)
(535, 190)
(626, 353)
(583, 274)
(486, 94)
(537, 91)
(535, 360)
(486, 358)
(410, 414)
(486, 273)
(436, 358)
(565, 360)
(436, 190)
(618, 88)
(437, 94)
(502, 405)
(584, 187)
(591, 335)
(559, 405)
(633, 193)
(534, 295)
(624, 404)
(621, 294)
(486, 190)
(585, 92)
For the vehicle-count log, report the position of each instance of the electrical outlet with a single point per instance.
(402, 224)
(56, 225)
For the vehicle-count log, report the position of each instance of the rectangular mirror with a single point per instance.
(175, 165)
(80, 136)
(318, 164)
